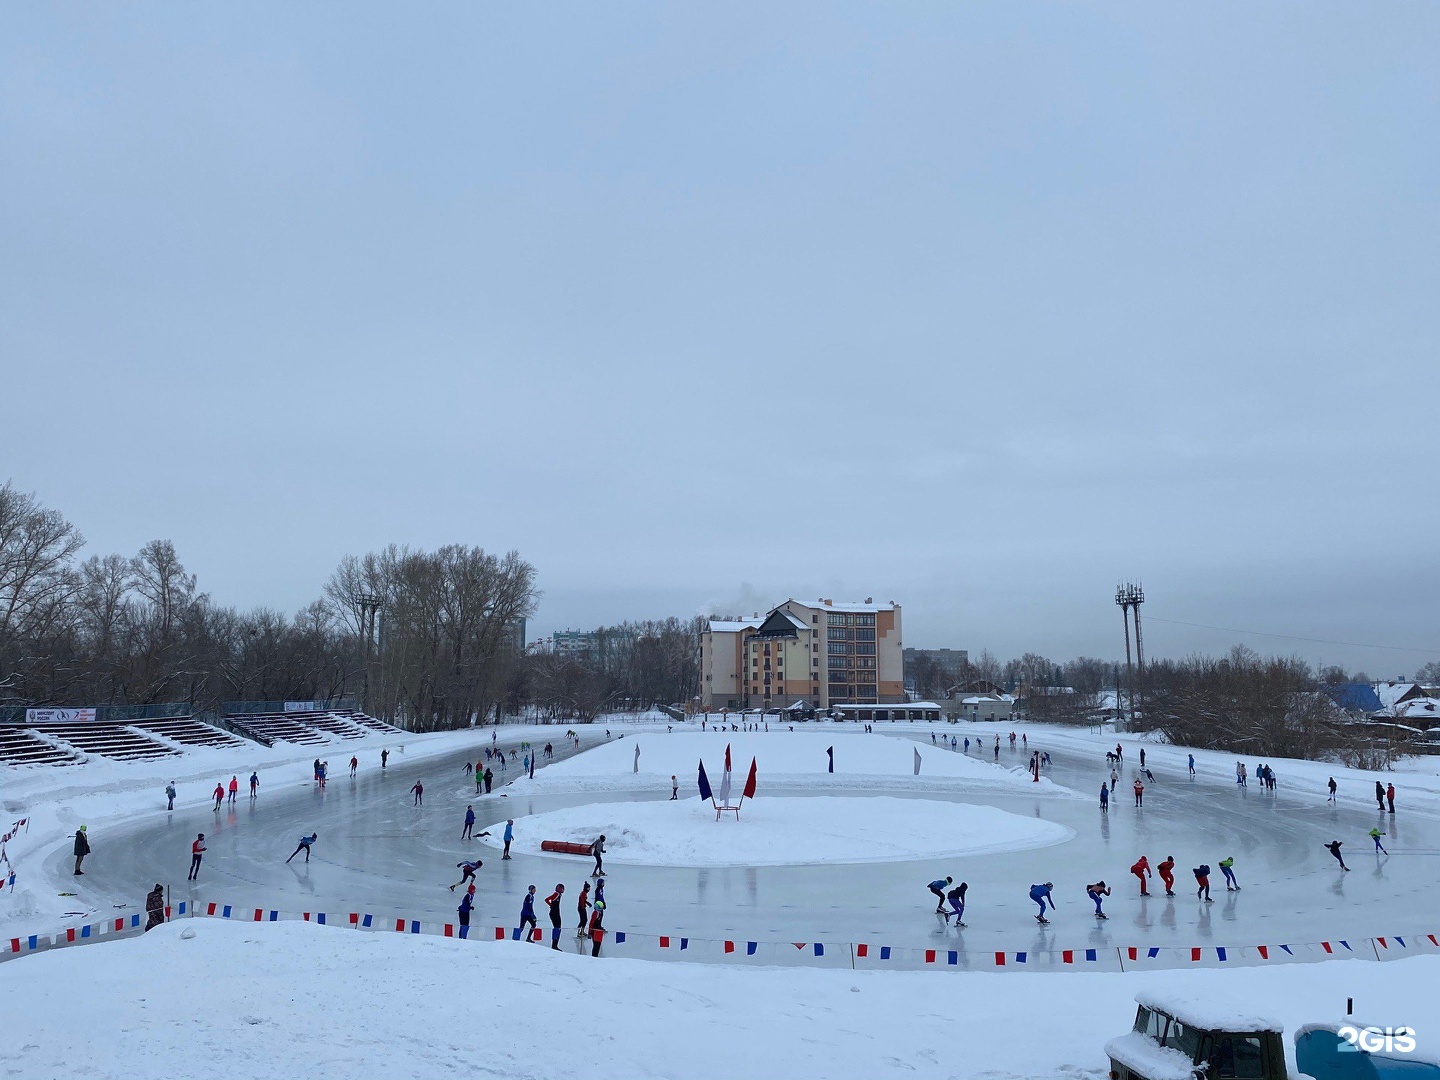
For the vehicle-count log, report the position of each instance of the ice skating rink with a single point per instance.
(378, 853)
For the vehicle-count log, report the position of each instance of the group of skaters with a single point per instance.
(221, 789)
(1264, 773)
(1042, 894)
(590, 908)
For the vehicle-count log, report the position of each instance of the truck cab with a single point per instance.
(1178, 1038)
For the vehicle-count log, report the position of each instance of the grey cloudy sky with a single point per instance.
(978, 307)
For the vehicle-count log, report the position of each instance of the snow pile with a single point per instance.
(265, 1000)
(785, 831)
(798, 758)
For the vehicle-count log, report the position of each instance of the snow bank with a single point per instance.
(777, 831)
(263, 1000)
(796, 758)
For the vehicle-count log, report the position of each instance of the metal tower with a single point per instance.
(1129, 596)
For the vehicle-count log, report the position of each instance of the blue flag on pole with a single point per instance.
(705, 792)
(831, 754)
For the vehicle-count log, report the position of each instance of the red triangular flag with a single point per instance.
(727, 757)
(749, 791)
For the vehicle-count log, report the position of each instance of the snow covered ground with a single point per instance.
(200, 998)
(780, 831)
(793, 759)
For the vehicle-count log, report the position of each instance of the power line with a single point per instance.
(1296, 637)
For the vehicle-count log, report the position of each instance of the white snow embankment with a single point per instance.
(779, 831)
(793, 759)
(261, 1000)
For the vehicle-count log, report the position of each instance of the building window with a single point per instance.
(865, 648)
(864, 620)
(864, 635)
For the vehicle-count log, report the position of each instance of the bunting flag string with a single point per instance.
(814, 953)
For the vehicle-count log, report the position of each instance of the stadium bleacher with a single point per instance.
(68, 743)
(21, 746)
(118, 741)
(187, 731)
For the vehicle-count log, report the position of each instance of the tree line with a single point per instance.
(126, 630)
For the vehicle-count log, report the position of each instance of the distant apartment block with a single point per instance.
(579, 644)
(817, 653)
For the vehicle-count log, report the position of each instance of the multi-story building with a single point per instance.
(579, 644)
(818, 654)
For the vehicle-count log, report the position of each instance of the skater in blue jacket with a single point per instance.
(938, 887)
(527, 911)
(467, 904)
(1041, 895)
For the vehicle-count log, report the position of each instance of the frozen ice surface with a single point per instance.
(378, 853)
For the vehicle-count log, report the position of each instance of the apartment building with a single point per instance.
(817, 653)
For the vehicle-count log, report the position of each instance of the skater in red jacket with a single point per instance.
(1142, 870)
(1166, 870)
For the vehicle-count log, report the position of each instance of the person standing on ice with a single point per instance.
(1192, 764)
(1041, 895)
(354, 765)
(304, 845)
(1104, 799)
(489, 779)
(479, 776)
(553, 903)
(419, 792)
(1239, 774)
(1227, 867)
(154, 907)
(1202, 880)
(254, 785)
(465, 833)
(675, 786)
(582, 904)
(510, 835)
(527, 912)
(1097, 893)
(384, 757)
(1375, 835)
(82, 848)
(1139, 792)
(1334, 848)
(938, 887)
(197, 852)
(1390, 797)
(597, 849)
(1142, 757)
(1142, 870)
(597, 927)
(234, 789)
(219, 795)
(467, 871)
(967, 743)
(1380, 795)
(170, 794)
(1166, 870)
(932, 738)
(1332, 785)
(956, 896)
(1114, 779)
(467, 904)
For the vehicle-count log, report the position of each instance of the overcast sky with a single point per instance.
(976, 307)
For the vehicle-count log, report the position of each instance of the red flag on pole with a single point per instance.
(749, 791)
(727, 757)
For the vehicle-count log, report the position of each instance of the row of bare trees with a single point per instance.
(118, 630)
(635, 665)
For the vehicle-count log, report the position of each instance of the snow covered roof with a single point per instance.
(1391, 693)
(1205, 1012)
(846, 605)
(1145, 1057)
(1418, 709)
(728, 626)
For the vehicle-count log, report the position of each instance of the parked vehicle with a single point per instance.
(1178, 1038)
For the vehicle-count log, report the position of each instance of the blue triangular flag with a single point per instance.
(705, 792)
